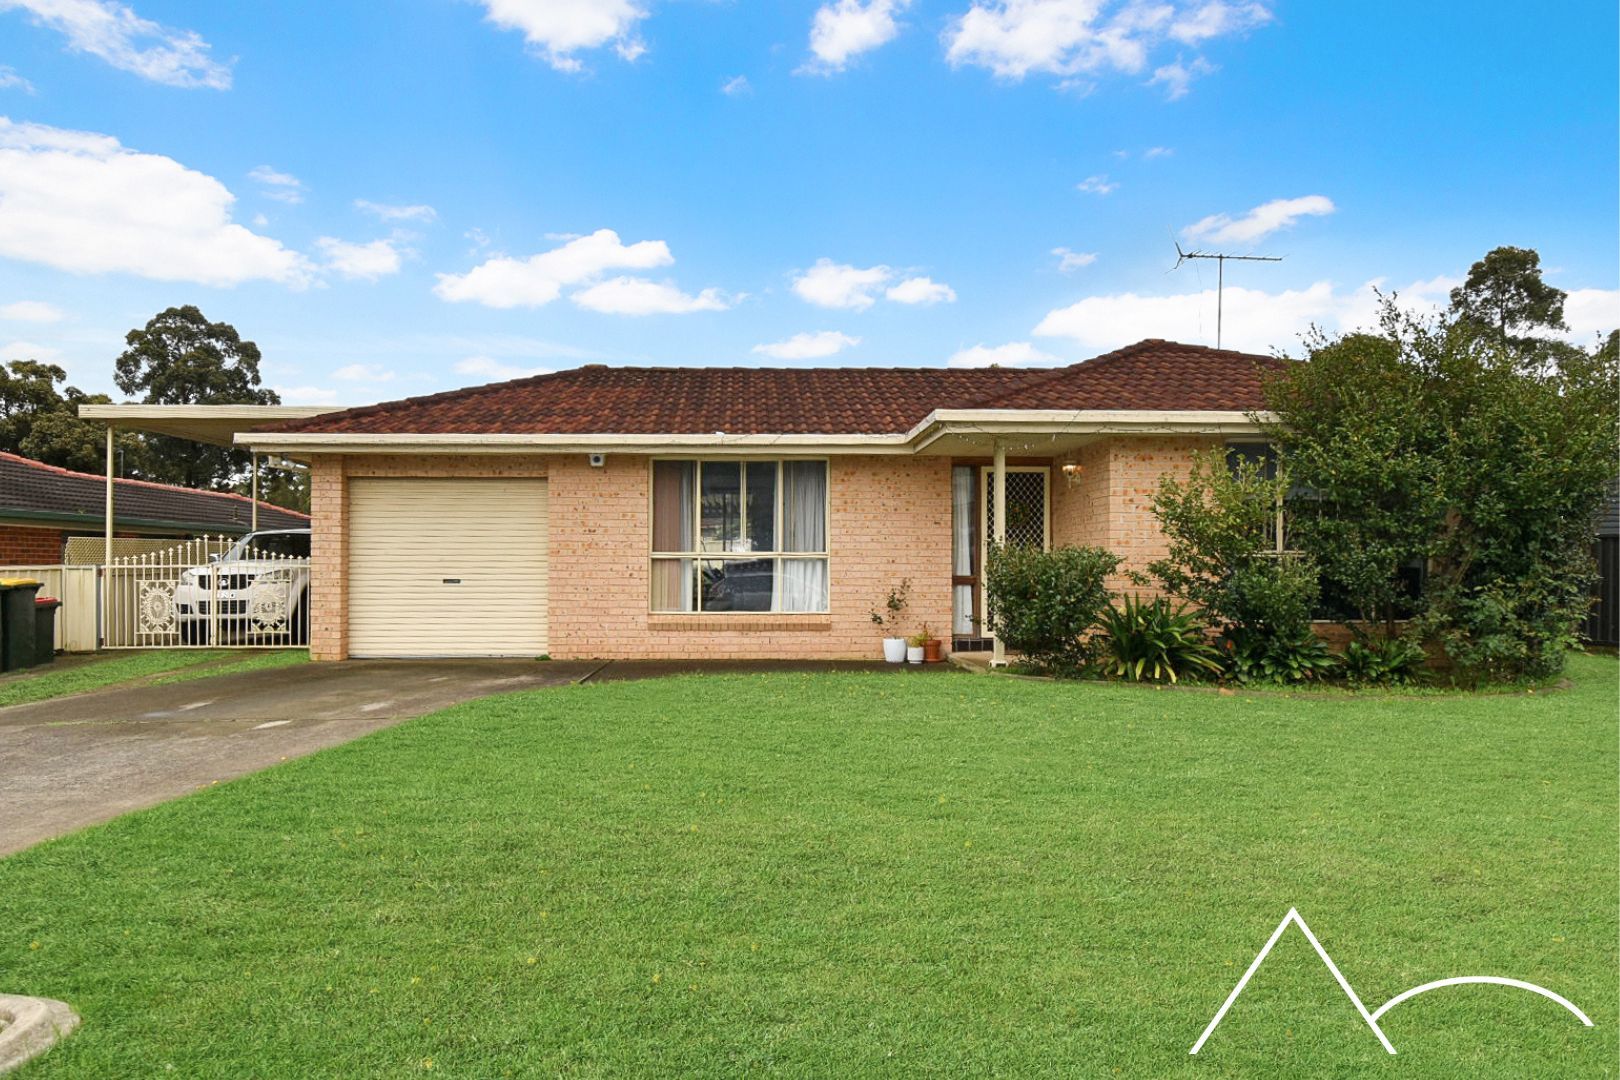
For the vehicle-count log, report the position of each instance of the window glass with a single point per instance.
(804, 585)
(738, 584)
(721, 522)
(674, 585)
(761, 508)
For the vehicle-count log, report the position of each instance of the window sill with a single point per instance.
(684, 622)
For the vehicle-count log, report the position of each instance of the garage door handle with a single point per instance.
(452, 581)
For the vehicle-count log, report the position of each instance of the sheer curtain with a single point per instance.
(804, 528)
(962, 548)
(672, 531)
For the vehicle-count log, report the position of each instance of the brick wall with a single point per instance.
(1111, 505)
(889, 519)
(23, 545)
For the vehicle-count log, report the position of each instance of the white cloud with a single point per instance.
(1254, 321)
(738, 85)
(836, 285)
(1069, 38)
(492, 369)
(1590, 312)
(81, 202)
(1069, 261)
(364, 262)
(505, 282)
(1177, 77)
(844, 29)
(1012, 354)
(280, 186)
(363, 373)
(1157, 152)
(922, 290)
(32, 311)
(113, 32)
(808, 346)
(1211, 20)
(10, 80)
(557, 29)
(1097, 185)
(1262, 221)
(29, 350)
(638, 296)
(396, 212)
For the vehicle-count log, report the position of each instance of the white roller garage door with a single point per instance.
(447, 567)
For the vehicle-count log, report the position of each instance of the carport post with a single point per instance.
(255, 518)
(107, 523)
(998, 648)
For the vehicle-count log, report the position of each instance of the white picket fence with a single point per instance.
(182, 596)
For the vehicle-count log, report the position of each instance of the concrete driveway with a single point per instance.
(72, 762)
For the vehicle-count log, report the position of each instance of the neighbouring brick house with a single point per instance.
(41, 506)
(734, 512)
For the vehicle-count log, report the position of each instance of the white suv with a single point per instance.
(258, 590)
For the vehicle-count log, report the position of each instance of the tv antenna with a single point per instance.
(1220, 275)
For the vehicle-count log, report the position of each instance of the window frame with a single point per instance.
(776, 556)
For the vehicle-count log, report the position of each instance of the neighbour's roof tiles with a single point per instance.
(29, 487)
(596, 399)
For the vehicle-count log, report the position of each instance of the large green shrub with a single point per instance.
(1479, 454)
(1044, 604)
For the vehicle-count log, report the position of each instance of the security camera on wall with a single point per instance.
(598, 460)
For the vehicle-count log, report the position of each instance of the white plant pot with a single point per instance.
(914, 654)
(894, 650)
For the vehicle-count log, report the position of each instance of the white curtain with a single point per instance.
(804, 584)
(804, 506)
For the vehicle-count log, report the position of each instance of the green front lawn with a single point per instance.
(80, 675)
(857, 875)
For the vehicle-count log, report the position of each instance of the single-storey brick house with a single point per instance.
(734, 512)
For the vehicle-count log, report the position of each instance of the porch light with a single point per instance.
(1072, 471)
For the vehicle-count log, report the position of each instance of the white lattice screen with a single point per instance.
(1026, 508)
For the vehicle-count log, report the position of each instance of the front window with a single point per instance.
(739, 536)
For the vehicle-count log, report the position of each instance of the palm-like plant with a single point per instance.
(1152, 641)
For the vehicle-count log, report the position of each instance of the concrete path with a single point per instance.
(76, 761)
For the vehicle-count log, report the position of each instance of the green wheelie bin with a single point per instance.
(17, 622)
(45, 609)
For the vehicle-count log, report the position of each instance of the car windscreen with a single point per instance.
(257, 545)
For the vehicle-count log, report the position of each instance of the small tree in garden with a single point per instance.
(1220, 526)
(1045, 603)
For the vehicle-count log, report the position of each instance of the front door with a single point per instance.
(1029, 524)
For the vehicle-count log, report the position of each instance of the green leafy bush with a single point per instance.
(1154, 642)
(1381, 662)
(1044, 604)
(1296, 656)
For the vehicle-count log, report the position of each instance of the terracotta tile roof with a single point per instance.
(29, 487)
(847, 401)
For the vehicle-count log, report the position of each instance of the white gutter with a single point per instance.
(936, 425)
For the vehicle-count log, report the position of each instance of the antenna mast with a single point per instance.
(1220, 276)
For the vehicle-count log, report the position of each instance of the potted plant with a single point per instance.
(915, 646)
(932, 646)
(888, 618)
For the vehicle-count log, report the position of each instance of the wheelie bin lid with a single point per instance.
(19, 583)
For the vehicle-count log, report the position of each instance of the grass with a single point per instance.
(39, 684)
(267, 660)
(869, 875)
(156, 667)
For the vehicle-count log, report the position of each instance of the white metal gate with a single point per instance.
(206, 593)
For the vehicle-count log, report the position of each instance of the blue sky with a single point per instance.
(364, 189)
